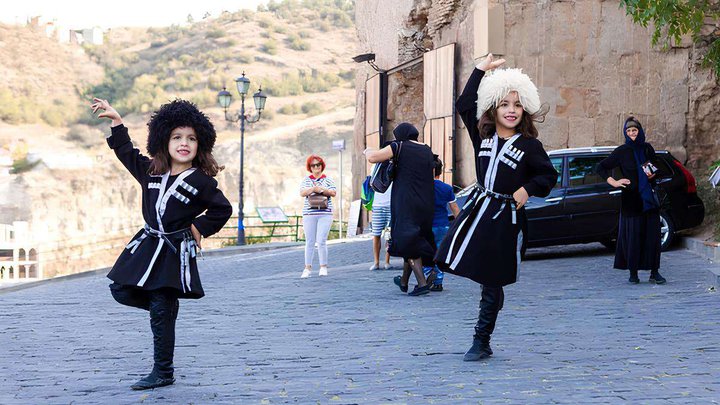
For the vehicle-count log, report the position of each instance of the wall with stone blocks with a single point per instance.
(592, 65)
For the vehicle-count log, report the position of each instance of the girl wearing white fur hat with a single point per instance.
(484, 242)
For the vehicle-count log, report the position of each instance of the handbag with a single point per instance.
(317, 201)
(384, 173)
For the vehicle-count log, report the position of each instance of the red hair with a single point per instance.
(311, 158)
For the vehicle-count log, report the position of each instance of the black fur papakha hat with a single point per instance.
(179, 113)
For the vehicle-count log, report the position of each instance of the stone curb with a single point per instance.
(708, 250)
(222, 252)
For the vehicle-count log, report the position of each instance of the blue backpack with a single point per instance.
(367, 194)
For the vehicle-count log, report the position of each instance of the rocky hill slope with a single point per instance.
(80, 202)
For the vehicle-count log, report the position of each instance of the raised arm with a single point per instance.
(466, 104)
(119, 141)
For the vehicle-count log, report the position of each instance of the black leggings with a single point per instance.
(163, 306)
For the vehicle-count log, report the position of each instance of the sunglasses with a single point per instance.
(316, 165)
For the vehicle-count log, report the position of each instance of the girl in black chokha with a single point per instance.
(180, 203)
(485, 240)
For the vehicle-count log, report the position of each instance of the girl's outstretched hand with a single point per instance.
(489, 63)
(109, 111)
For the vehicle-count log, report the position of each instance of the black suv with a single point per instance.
(583, 208)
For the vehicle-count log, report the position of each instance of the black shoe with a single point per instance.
(634, 277)
(151, 381)
(397, 280)
(657, 278)
(420, 290)
(479, 350)
(436, 287)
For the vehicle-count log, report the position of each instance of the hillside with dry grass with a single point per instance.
(299, 51)
(41, 80)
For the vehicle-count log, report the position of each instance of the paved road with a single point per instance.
(572, 331)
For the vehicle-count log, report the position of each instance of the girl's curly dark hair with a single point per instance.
(175, 114)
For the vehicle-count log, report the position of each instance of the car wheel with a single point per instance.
(667, 231)
(611, 244)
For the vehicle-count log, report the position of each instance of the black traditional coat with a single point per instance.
(162, 254)
(483, 242)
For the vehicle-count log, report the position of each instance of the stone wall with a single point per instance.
(405, 98)
(592, 65)
(703, 123)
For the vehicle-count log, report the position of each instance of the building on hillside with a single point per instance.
(592, 65)
(64, 35)
(93, 36)
(19, 259)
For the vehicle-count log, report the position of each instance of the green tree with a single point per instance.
(672, 19)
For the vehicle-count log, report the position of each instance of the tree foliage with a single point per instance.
(673, 19)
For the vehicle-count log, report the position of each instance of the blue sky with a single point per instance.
(86, 13)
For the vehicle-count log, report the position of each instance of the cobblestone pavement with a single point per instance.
(572, 331)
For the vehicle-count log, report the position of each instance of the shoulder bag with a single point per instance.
(384, 173)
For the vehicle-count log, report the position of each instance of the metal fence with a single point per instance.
(257, 231)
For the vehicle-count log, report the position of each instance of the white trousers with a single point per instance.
(317, 228)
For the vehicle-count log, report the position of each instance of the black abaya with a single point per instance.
(412, 202)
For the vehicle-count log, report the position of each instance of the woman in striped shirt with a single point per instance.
(316, 221)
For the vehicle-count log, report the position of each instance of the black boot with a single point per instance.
(163, 314)
(479, 350)
(490, 305)
(152, 380)
(634, 279)
(656, 278)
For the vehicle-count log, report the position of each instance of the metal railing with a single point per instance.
(257, 231)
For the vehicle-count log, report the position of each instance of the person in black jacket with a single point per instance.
(638, 242)
(181, 203)
(485, 240)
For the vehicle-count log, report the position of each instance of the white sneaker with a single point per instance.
(387, 266)
(305, 273)
(374, 267)
(323, 271)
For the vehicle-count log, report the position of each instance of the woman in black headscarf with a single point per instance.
(638, 243)
(412, 204)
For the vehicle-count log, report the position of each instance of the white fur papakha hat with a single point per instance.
(499, 83)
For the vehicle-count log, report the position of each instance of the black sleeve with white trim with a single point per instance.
(543, 175)
(218, 210)
(136, 163)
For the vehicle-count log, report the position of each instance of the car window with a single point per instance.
(557, 164)
(582, 170)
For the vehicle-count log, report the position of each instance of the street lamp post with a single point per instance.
(225, 99)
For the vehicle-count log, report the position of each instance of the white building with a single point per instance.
(93, 36)
(18, 256)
